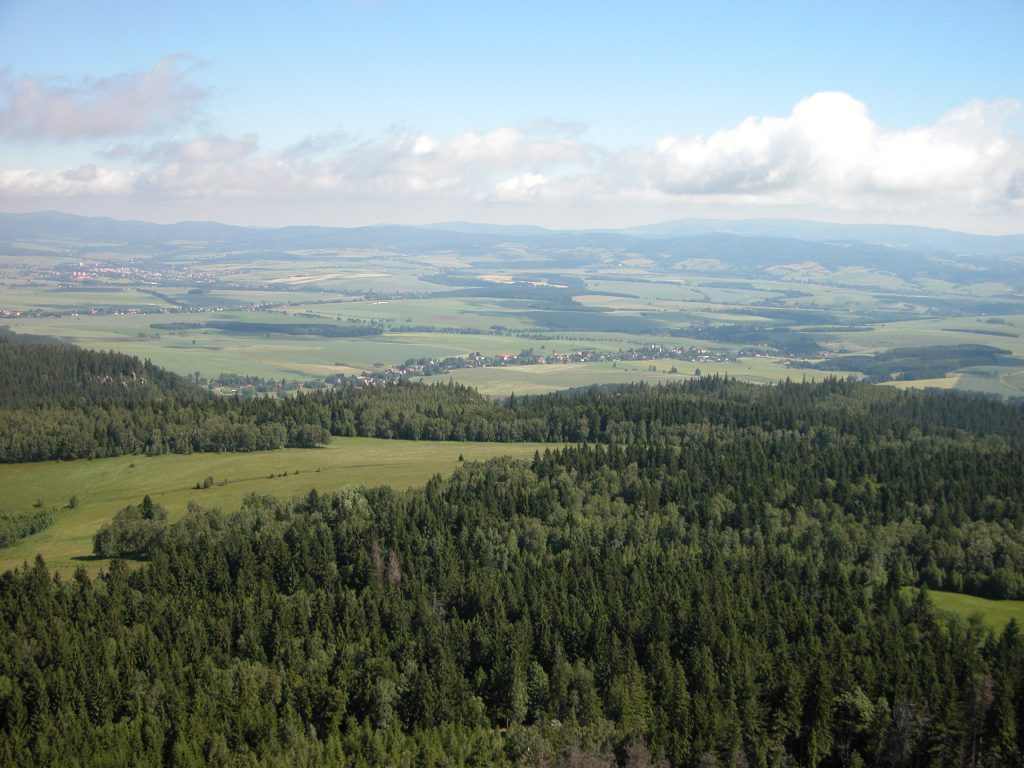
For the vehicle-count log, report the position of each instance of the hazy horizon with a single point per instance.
(455, 223)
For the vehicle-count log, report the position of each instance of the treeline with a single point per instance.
(102, 430)
(780, 337)
(296, 329)
(598, 605)
(412, 411)
(919, 362)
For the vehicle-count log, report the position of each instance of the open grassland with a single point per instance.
(441, 312)
(104, 486)
(537, 379)
(994, 614)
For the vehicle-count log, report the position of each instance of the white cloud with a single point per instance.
(467, 165)
(521, 186)
(828, 159)
(828, 150)
(83, 180)
(140, 103)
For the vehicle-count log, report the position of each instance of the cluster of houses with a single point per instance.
(103, 271)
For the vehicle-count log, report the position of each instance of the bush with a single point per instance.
(18, 525)
(134, 531)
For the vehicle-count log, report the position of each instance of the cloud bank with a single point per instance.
(827, 156)
(36, 109)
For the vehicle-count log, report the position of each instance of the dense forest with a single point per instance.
(61, 402)
(546, 613)
(704, 574)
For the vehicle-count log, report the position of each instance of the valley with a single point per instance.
(357, 304)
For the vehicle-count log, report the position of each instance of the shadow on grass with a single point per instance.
(100, 558)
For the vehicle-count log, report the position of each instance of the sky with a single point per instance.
(560, 114)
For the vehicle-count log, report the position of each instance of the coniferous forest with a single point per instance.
(707, 574)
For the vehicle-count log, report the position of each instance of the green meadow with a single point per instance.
(994, 614)
(103, 486)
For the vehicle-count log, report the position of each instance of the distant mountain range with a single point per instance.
(891, 235)
(749, 247)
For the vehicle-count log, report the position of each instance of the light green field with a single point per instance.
(444, 313)
(994, 614)
(935, 332)
(104, 486)
(51, 297)
(1009, 383)
(676, 290)
(537, 379)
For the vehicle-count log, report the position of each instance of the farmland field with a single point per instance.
(762, 315)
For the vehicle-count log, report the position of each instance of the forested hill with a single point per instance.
(62, 402)
(58, 374)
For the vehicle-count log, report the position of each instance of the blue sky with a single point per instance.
(561, 114)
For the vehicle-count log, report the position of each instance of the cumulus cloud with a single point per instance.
(830, 150)
(521, 186)
(826, 157)
(139, 103)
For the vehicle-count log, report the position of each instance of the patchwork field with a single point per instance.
(437, 294)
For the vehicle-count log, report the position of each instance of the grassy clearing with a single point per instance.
(104, 486)
(948, 382)
(994, 614)
(537, 379)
